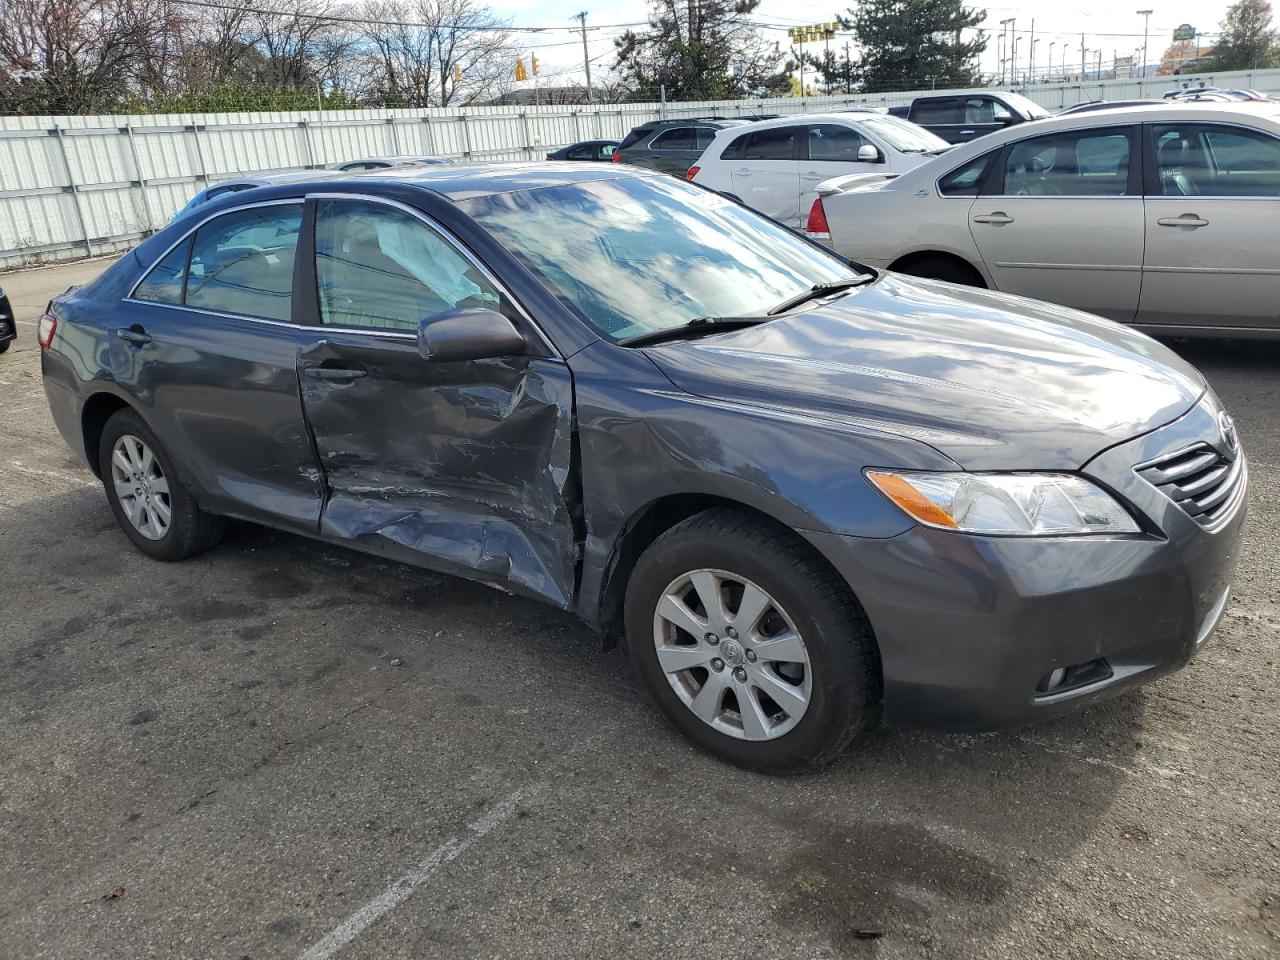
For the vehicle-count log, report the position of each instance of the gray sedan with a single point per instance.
(1166, 216)
(805, 493)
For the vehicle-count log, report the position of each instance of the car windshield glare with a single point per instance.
(636, 255)
(905, 136)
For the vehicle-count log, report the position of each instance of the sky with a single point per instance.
(1108, 26)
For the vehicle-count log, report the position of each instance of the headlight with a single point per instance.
(1012, 504)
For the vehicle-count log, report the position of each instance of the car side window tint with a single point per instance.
(385, 269)
(776, 143)
(830, 141)
(735, 148)
(242, 262)
(1079, 163)
(966, 181)
(704, 136)
(936, 112)
(677, 138)
(1216, 161)
(163, 284)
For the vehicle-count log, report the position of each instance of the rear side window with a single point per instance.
(242, 262)
(704, 136)
(1074, 163)
(936, 111)
(1216, 161)
(164, 283)
(632, 138)
(677, 138)
(966, 181)
(776, 143)
(734, 150)
(829, 141)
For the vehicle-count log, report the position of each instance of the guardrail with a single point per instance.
(74, 187)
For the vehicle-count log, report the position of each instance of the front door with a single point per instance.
(1213, 227)
(464, 466)
(211, 353)
(767, 177)
(1062, 220)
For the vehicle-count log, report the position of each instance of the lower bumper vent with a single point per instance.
(1064, 679)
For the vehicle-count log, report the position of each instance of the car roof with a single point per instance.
(267, 179)
(844, 116)
(467, 181)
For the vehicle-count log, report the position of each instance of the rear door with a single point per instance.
(1061, 219)
(673, 150)
(1213, 227)
(210, 353)
(942, 115)
(767, 176)
(831, 150)
(464, 467)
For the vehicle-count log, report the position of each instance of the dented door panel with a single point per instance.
(466, 465)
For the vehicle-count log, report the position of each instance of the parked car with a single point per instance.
(1213, 94)
(8, 324)
(775, 166)
(1094, 105)
(803, 491)
(240, 184)
(1163, 216)
(671, 146)
(597, 150)
(384, 163)
(961, 117)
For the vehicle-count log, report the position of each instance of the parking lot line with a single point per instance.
(401, 890)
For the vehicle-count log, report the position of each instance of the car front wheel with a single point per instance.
(151, 505)
(753, 647)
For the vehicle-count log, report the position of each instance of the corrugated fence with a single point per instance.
(74, 187)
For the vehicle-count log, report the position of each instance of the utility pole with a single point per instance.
(848, 70)
(1031, 66)
(1052, 44)
(1146, 26)
(1082, 66)
(586, 60)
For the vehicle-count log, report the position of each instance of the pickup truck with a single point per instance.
(961, 117)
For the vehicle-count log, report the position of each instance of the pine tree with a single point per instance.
(1247, 42)
(909, 44)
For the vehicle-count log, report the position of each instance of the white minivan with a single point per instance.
(775, 166)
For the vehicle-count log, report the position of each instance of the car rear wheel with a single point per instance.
(753, 647)
(4, 345)
(148, 499)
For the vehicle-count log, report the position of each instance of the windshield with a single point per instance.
(1028, 108)
(639, 254)
(905, 136)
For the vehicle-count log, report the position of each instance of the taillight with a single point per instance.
(817, 227)
(48, 327)
(617, 157)
(692, 172)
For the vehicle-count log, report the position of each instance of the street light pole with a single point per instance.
(1004, 60)
(1146, 25)
(586, 59)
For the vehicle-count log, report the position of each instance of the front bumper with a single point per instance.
(974, 631)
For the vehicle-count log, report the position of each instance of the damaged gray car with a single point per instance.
(808, 495)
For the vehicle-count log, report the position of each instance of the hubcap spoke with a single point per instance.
(676, 658)
(124, 489)
(754, 603)
(120, 460)
(784, 648)
(708, 703)
(755, 724)
(160, 485)
(708, 586)
(789, 698)
(674, 611)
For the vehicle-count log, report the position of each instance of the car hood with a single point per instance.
(990, 380)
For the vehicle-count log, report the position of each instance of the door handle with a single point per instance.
(742, 173)
(967, 133)
(998, 218)
(1186, 220)
(335, 374)
(134, 336)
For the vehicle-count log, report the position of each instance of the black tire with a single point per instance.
(841, 649)
(4, 345)
(191, 530)
(942, 268)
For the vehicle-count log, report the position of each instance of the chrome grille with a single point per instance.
(1202, 481)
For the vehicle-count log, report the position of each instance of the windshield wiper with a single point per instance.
(697, 327)
(821, 290)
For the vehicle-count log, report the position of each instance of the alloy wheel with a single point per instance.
(732, 654)
(141, 487)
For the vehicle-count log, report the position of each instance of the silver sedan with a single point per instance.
(1166, 216)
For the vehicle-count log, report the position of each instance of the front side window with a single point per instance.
(1196, 159)
(640, 254)
(677, 138)
(776, 143)
(829, 141)
(239, 263)
(385, 269)
(1074, 163)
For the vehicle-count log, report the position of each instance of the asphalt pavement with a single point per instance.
(285, 749)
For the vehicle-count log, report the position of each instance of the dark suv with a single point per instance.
(671, 146)
(959, 118)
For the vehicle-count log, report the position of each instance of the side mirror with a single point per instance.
(869, 154)
(469, 333)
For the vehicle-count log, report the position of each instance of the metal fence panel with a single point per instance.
(77, 186)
